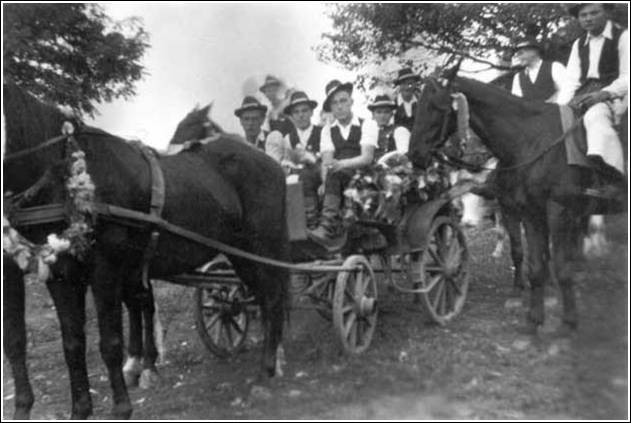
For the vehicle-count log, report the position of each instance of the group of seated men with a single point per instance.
(326, 157)
(595, 81)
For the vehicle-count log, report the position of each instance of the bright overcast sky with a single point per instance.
(206, 52)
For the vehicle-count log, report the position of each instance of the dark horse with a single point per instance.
(223, 190)
(534, 180)
(29, 122)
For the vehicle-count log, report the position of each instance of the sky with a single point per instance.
(202, 53)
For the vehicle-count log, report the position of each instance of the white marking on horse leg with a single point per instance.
(158, 334)
(595, 244)
(132, 370)
(280, 361)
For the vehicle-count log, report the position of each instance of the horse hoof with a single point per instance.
(122, 411)
(568, 329)
(22, 414)
(149, 379)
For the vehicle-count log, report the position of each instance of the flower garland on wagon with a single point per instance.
(75, 240)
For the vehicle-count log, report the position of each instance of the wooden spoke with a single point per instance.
(439, 294)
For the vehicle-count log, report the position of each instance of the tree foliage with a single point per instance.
(72, 54)
(369, 34)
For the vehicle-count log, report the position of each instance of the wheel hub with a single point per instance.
(367, 306)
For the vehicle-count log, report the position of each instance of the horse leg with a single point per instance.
(133, 363)
(267, 284)
(67, 288)
(14, 336)
(107, 296)
(512, 223)
(149, 376)
(537, 242)
(565, 232)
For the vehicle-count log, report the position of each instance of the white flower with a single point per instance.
(58, 244)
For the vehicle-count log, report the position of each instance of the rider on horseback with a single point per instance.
(598, 78)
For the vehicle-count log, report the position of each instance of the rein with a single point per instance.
(27, 151)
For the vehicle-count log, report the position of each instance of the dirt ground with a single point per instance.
(477, 367)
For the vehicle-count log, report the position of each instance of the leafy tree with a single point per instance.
(72, 54)
(367, 35)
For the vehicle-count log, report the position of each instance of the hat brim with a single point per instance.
(529, 47)
(311, 103)
(373, 107)
(573, 10)
(269, 84)
(242, 110)
(326, 106)
(405, 78)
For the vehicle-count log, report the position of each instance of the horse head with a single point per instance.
(195, 126)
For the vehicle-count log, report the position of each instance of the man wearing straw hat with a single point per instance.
(390, 137)
(251, 114)
(275, 118)
(346, 144)
(407, 81)
(300, 149)
(539, 79)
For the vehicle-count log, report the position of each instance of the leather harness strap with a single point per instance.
(156, 206)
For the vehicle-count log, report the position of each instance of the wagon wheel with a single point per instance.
(323, 294)
(355, 305)
(222, 318)
(444, 270)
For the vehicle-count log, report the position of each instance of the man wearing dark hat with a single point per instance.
(407, 81)
(275, 119)
(391, 137)
(346, 144)
(301, 147)
(598, 76)
(539, 79)
(251, 114)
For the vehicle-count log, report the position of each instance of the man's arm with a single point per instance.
(559, 76)
(573, 76)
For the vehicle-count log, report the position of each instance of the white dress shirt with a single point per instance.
(407, 105)
(370, 133)
(559, 76)
(618, 87)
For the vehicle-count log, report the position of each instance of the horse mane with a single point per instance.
(506, 101)
(28, 121)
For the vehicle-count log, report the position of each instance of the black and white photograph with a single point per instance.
(315, 211)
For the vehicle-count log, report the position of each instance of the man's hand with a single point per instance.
(588, 100)
(335, 165)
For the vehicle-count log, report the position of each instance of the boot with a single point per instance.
(330, 233)
(607, 184)
(311, 212)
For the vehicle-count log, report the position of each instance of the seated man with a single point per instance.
(391, 137)
(275, 119)
(598, 74)
(299, 149)
(408, 82)
(346, 144)
(251, 114)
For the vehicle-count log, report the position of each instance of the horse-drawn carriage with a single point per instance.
(422, 252)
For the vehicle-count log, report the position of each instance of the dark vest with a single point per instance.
(260, 144)
(345, 149)
(313, 143)
(609, 64)
(401, 119)
(385, 141)
(543, 88)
